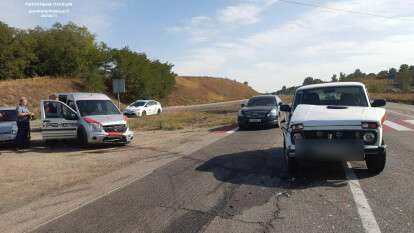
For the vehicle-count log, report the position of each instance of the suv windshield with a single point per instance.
(96, 107)
(8, 115)
(342, 96)
(262, 101)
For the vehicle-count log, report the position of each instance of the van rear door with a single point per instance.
(58, 120)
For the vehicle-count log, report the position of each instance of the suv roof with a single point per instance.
(86, 96)
(332, 84)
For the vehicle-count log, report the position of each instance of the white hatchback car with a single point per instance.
(143, 108)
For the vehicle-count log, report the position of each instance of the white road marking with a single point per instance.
(232, 131)
(410, 121)
(396, 126)
(399, 113)
(364, 210)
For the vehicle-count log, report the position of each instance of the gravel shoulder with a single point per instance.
(30, 174)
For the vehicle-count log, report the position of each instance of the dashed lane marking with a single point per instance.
(409, 121)
(364, 210)
(396, 126)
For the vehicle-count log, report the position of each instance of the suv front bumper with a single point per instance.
(316, 151)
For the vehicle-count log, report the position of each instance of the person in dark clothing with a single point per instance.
(23, 124)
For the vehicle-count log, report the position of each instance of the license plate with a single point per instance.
(255, 120)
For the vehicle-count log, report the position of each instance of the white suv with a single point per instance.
(335, 121)
(88, 117)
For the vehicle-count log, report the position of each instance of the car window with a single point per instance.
(341, 95)
(55, 109)
(96, 107)
(139, 103)
(8, 115)
(261, 101)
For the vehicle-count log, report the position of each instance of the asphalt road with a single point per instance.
(238, 184)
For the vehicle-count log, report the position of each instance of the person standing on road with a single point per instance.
(23, 124)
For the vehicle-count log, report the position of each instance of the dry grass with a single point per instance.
(35, 89)
(200, 90)
(407, 98)
(181, 120)
(376, 85)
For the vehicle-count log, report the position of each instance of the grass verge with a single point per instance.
(181, 120)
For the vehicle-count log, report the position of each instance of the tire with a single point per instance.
(144, 113)
(82, 137)
(159, 112)
(376, 163)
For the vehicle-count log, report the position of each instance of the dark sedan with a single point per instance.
(260, 111)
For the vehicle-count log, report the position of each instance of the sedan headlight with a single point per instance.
(297, 127)
(273, 113)
(14, 131)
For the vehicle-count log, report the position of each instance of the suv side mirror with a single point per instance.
(243, 105)
(285, 108)
(378, 103)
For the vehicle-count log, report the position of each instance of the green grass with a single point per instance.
(181, 120)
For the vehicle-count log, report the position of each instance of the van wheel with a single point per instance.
(82, 137)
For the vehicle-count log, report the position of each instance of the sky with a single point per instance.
(268, 43)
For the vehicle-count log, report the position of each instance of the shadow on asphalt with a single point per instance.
(267, 168)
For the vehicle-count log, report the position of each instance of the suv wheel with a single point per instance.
(376, 163)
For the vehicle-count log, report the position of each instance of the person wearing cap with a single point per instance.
(23, 124)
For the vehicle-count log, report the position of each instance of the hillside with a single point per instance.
(198, 90)
(188, 90)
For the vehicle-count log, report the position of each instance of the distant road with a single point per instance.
(221, 106)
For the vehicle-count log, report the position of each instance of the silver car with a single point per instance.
(8, 125)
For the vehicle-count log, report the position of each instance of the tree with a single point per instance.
(144, 78)
(342, 77)
(15, 52)
(334, 78)
(307, 81)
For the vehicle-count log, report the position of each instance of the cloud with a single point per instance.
(203, 28)
(316, 43)
(94, 14)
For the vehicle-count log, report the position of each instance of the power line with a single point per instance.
(337, 9)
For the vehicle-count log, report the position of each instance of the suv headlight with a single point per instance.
(273, 112)
(369, 137)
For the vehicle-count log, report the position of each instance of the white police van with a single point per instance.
(88, 117)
